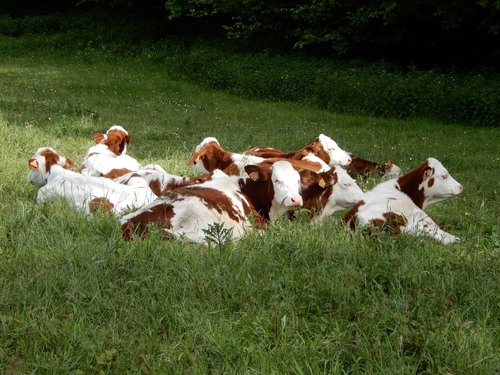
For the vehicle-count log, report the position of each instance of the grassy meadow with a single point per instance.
(300, 299)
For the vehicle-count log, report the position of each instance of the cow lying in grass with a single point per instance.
(324, 147)
(209, 155)
(159, 180)
(399, 203)
(49, 171)
(108, 157)
(228, 201)
(328, 192)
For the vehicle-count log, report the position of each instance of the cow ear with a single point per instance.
(307, 151)
(194, 158)
(328, 179)
(428, 172)
(69, 163)
(316, 147)
(33, 164)
(307, 177)
(99, 138)
(255, 173)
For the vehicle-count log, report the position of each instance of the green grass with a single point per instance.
(300, 298)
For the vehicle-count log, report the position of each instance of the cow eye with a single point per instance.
(444, 177)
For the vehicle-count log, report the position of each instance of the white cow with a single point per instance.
(48, 171)
(108, 157)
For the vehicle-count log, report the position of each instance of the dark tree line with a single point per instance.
(461, 32)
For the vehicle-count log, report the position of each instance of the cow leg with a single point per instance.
(420, 223)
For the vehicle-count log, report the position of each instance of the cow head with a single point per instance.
(391, 170)
(330, 191)
(285, 182)
(116, 138)
(207, 156)
(437, 183)
(328, 150)
(41, 163)
(428, 184)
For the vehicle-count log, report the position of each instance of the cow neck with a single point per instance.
(260, 195)
(410, 185)
(219, 159)
(316, 197)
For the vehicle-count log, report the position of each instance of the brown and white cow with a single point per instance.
(399, 203)
(209, 155)
(108, 157)
(190, 211)
(49, 171)
(323, 147)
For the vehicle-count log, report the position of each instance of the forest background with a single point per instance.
(395, 59)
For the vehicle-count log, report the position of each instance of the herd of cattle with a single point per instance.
(241, 191)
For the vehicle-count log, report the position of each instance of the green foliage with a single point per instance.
(369, 89)
(218, 235)
(359, 28)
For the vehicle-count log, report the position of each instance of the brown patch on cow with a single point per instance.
(116, 141)
(213, 156)
(266, 152)
(115, 173)
(186, 181)
(155, 186)
(410, 182)
(350, 216)
(377, 222)
(213, 199)
(99, 138)
(394, 221)
(362, 168)
(298, 165)
(260, 193)
(317, 188)
(391, 222)
(160, 215)
(52, 158)
(100, 204)
(319, 151)
(430, 182)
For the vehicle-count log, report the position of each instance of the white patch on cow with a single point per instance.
(345, 194)
(100, 160)
(206, 141)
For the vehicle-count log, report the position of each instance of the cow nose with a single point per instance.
(460, 188)
(349, 159)
(296, 200)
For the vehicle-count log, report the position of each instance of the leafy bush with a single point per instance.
(371, 89)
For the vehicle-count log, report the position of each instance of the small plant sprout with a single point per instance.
(217, 234)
